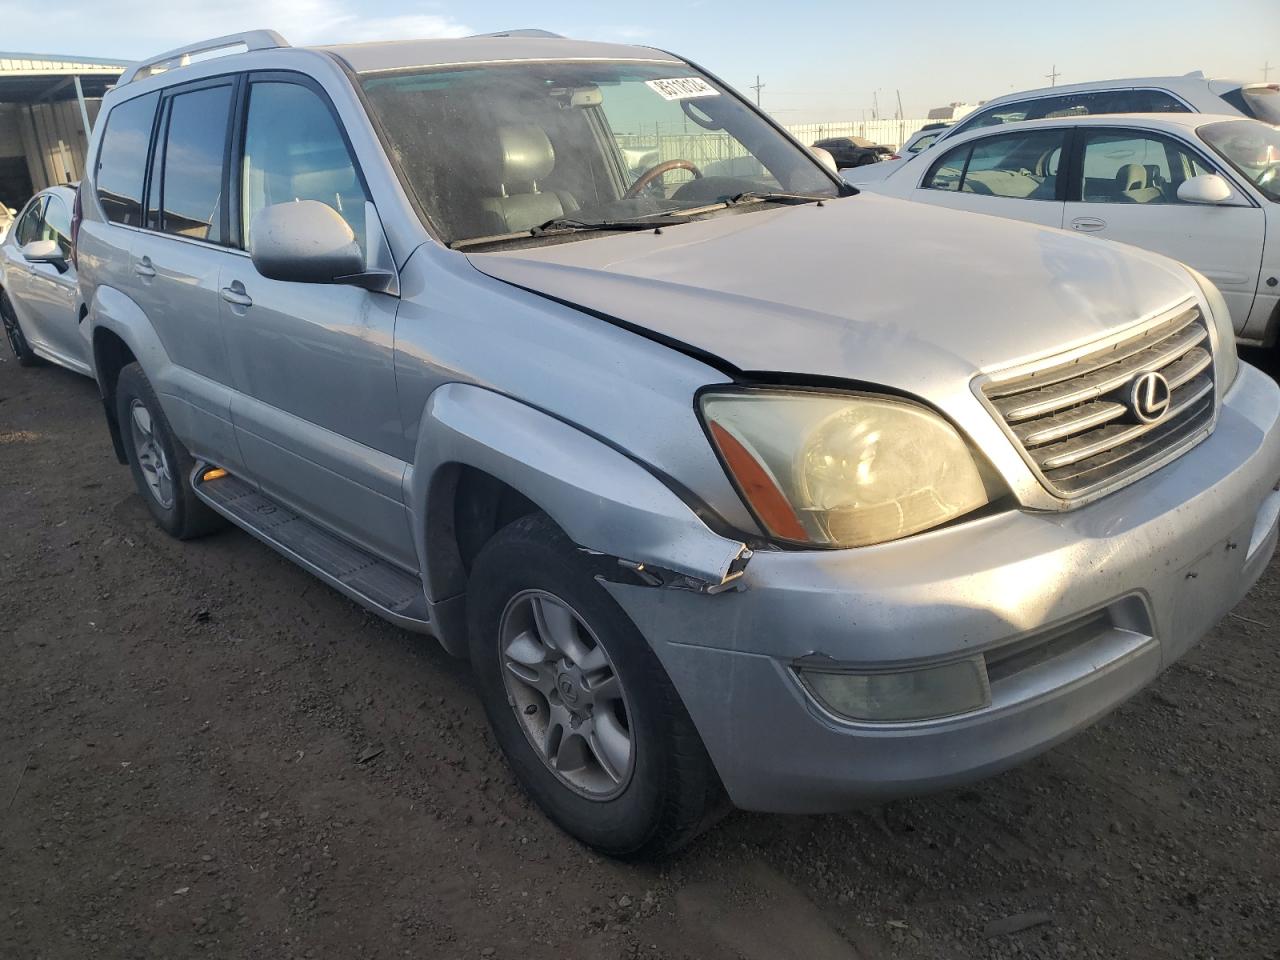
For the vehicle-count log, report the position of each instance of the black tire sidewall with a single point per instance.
(134, 385)
(22, 349)
(532, 554)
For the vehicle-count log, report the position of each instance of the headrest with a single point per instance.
(1132, 176)
(525, 154)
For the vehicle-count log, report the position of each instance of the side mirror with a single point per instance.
(1206, 188)
(825, 158)
(45, 251)
(304, 242)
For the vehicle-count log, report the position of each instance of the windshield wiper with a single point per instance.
(572, 224)
(751, 196)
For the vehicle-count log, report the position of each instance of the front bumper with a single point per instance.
(1074, 613)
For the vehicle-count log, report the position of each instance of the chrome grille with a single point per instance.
(1075, 423)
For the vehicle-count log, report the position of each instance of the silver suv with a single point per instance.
(565, 355)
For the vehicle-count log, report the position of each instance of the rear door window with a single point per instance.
(122, 159)
(194, 164)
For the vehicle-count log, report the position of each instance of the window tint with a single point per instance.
(57, 225)
(1021, 166)
(294, 150)
(1076, 105)
(122, 159)
(194, 159)
(1127, 166)
(28, 228)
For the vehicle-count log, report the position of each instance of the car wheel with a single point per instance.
(13, 332)
(578, 701)
(160, 464)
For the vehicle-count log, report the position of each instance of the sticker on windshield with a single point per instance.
(682, 88)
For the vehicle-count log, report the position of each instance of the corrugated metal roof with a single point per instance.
(56, 64)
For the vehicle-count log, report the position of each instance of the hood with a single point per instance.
(866, 288)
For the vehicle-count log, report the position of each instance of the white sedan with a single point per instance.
(1200, 188)
(38, 284)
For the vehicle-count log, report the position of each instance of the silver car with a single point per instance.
(38, 285)
(724, 505)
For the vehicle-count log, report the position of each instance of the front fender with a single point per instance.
(603, 500)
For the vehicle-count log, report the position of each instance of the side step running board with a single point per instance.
(383, 589)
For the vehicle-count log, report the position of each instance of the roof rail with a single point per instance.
(250, 40)
(521, 33)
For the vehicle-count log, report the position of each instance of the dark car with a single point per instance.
(854, 151)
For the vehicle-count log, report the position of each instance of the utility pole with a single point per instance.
(875, 105)
(757, 87)
(1266, 72)
(1053, 77)
(901, 114)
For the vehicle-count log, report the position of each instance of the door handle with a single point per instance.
(143, 268)
(236, 296)
(1088, 224)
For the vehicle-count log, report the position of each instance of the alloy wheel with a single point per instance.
(150, 453)
(567, 695)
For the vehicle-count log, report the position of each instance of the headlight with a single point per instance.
(844, 471)
(1228, 360)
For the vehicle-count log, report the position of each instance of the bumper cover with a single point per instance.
(1132, 581)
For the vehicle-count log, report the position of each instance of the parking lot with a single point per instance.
(205, 750)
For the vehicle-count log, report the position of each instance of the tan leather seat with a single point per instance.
(1133, 184)
(524, 156)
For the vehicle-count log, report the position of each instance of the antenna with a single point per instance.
(757, 87)
(1053, 76)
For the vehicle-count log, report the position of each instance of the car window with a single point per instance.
(922, 143)
(195, 147)
(28, 228)
(56, 225)
(294, 150)
(122, 159)
(1084, 103)
(1021, 166)
(1252, 148)
(1126, 166)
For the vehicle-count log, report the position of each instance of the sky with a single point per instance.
(818, 61)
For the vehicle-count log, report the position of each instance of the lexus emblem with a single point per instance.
(1150, 396)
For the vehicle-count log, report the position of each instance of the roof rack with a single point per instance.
(250, 40)
(521, 33)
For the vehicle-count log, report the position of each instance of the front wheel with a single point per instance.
(13, 332)
(579, 703)
(160, 464)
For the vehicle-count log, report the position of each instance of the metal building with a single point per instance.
(47, 107)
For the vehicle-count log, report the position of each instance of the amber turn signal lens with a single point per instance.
(217, 473)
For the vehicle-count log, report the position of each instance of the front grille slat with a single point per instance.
(1074, 421)
(1101, 380)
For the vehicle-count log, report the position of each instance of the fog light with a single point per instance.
(924, 694)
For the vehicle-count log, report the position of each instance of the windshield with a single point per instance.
(1252, 148)
(1263, 101)
(499, 149)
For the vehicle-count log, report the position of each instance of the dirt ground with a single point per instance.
(206, 752)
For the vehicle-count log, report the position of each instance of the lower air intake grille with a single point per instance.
(1094, 420)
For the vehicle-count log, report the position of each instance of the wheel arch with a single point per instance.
(484, 459)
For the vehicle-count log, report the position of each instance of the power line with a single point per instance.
(757, 87)
(1053, 77)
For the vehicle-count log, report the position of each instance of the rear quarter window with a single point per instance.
(122, 159)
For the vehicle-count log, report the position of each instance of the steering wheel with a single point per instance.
(657, 170)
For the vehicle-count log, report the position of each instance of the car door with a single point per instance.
(1008, 174)
(1125, 187)
(316, 410)
(177, 257)
(18, 271)
(51, 288)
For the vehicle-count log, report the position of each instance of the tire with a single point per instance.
(13, 333)
(160, 464)
(669, 792)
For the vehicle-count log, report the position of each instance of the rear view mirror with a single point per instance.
(1206, 188)
(45, 251)
(825, 158)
